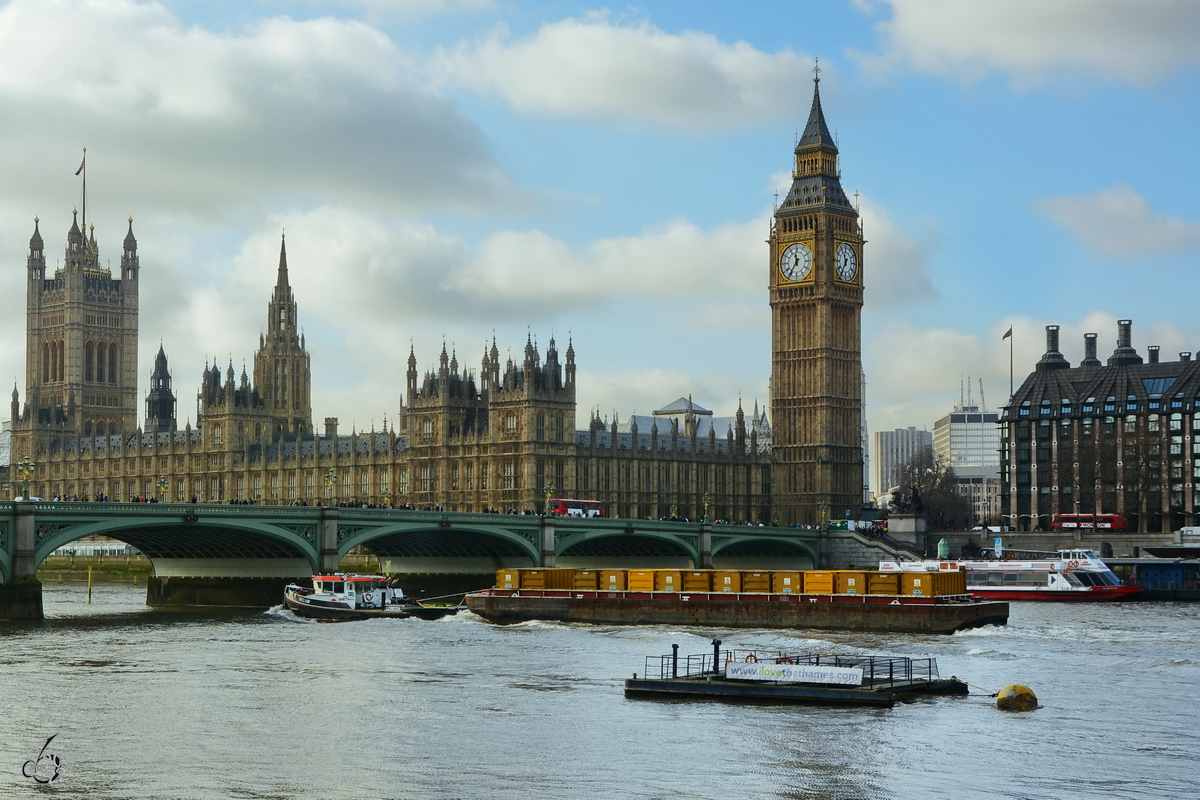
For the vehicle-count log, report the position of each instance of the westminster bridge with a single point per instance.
(243, 555)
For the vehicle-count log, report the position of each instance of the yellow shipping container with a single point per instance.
(559, 578)
(818, 582)
(787, 582)
(585, 579)
(849, 582)
(667, 580)
(533, 578)
(883, 583)
(945, 583)
(918, 584)
(508, 579)
(756, 582)
(640, 580)
(697, 581)
(727, 580)
(612, 580)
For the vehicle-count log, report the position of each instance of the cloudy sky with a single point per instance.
(446, 169)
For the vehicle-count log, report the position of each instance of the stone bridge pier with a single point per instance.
(21, 592)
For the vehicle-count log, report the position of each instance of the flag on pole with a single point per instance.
(1007, 333)
(81, 163)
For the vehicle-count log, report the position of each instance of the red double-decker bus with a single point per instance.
(575, 508)
(1106, 522)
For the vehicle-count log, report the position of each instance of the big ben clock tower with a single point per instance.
(816, 287)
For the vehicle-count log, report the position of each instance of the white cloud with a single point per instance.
(896, 263)
(633, 391)
(672, 260)
(1118, 223)
(594, 69)
(1136, 41)
(289, 112)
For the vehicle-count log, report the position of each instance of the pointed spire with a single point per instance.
(282, 279)
(816, 132)
(35, 241)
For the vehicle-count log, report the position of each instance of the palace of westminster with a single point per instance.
(500, 438)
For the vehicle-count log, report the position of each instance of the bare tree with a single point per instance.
(928, 487)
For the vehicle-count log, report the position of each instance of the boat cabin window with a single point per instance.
(1017, 578)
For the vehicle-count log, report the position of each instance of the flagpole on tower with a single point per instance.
(83, 169)
(1009, 336)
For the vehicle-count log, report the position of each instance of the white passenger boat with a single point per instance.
(343, 596)
(1065, 575)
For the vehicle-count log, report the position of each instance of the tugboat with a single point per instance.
(343, 596)
(781, 677)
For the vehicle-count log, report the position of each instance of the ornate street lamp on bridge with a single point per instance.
(330, 480)
(163, 484)
(26, 468)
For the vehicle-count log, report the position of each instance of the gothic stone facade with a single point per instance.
(501, 439)
(1122, 437)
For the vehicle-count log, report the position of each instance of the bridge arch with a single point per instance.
(733, 548)
(228, 547)
(422, 541)
(627, 544)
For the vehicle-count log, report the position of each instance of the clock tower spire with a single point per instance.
(816, 293)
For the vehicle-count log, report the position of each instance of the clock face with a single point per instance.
(796, 262)
(847, 263)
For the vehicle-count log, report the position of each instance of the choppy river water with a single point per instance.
(262, 705)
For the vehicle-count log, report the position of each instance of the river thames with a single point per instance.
(262, 705)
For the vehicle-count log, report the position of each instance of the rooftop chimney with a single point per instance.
(1089, 349)
(1152, 354)
(1185, 356)
(1124, 354)
(1052, 359)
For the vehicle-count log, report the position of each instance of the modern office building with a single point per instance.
(968, 439)
(894, 449)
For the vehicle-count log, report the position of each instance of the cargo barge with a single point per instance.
(798, 678)
(920, 610)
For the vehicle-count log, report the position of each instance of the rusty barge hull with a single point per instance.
(875, 613)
